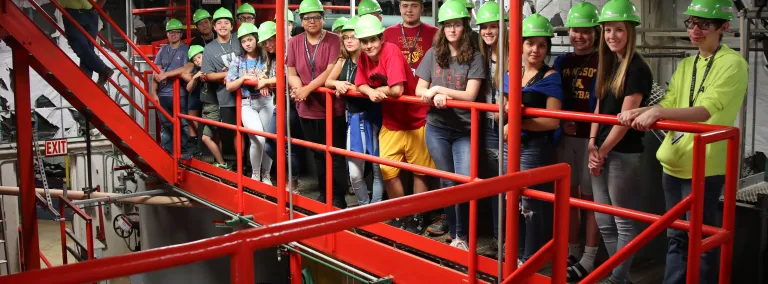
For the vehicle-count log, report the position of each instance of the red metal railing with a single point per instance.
(240, 245)
(63, 204)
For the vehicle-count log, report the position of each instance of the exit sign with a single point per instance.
(56, 147)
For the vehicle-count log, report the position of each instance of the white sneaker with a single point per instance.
(256, 176)
(460, 244)
(266, 179)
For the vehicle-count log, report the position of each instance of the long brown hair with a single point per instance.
(487, 52)
(443, 52)
(610, 78)
(343, 53)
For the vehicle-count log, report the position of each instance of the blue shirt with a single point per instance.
(242, 66)
(170, 59)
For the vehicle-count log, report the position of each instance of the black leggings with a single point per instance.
(314, 131)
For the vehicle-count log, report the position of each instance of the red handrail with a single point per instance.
(295, 6)
(247, 241)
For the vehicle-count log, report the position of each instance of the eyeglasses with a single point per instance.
(347, 37)
(703, 25)
(246, 18)
(310, 19)
(453, 26)
(174, 32)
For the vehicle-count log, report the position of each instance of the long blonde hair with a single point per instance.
(607, 79)
(486, 51)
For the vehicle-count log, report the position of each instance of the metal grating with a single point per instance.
(750, 194)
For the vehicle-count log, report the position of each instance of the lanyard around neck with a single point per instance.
(693, 96)
(311, 58)
(411, 49)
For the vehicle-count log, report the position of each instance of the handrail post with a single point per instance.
(176, 128)
(188, 9)
(62, 229)
(296, 267)
(242, 266)
(89, 238)
(513, 132)
(697, 208)
(239, 151)
(26, 167)
(729, 206)
(329, 162)
(474, 138)
(280, 92)
(560, 230)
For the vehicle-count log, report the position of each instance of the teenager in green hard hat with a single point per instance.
(453, 69)
(363, 119)
(413, 36)
(257, 106)
(194, 105)
(578, 72)
(541, 89)
(311, 56)
(490, 33)
(172, 61)
(707, 88)
(383, 72)
(246, 14)
(202, 20)
(338, 24)
(218, 103)
(369, 7)
(624, 82)
(290, 18)
(268, 40)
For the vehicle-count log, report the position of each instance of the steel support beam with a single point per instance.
(24, 134)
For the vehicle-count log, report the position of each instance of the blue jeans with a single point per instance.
(166, 134)
(492, 168)
(297, 152)
(675, 189)
(357, 168)
(534, 152)
(450, 151)
(616, 186)
(89, 19)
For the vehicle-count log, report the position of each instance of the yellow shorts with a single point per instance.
(403, 146)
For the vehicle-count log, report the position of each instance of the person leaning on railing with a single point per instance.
(82, 11)
(453, 69)
(624, 82)
(707, 88)
(383, 72)
(363, 119)
(195, 105)
(311, 56)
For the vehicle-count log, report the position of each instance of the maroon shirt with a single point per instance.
(298, 57)
(426, 32)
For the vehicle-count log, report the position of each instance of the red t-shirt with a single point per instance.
(390, 70)
(426, 32)
(327, 52)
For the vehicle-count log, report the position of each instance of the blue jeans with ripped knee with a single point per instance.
(534, 152)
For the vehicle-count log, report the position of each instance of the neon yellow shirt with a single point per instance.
(76, 4)
(724, 91)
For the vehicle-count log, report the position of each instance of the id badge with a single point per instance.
(676, 137)
(413, 71)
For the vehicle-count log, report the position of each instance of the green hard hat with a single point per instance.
(468, 4)
(711, 9)
(368, 6)
(452, 9)
(246, 9)
(368, 26)
(288, 16)
(350, 24)
(489, 12)
(246, 29)
(200, 15)
(583, 15)
(537, 25)
(174, 24)
(339, 23)
(222, 13)
(267, 30)
(309, 6)
(194, 50)
(619, 11)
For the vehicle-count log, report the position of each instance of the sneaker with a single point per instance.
(415, 224)
(221, 166)
(490, 250)
(397, 223)
(265, 178)
(192, 146)
(256, 176)
(439, 227)
(459, 244)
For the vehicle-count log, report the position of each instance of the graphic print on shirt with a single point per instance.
(418, 51)
(378, 80)
(453, 80)
(581, 83)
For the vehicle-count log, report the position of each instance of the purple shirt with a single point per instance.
(298, 57)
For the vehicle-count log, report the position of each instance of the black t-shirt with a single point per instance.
(199, 40)
(578, 73)
(637, 81)
(354, 105)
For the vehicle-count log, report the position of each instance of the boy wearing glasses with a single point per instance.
(246, 14)
(311, 56)
(172, 60)
(383, 72)
(412, 36)
(708, 88)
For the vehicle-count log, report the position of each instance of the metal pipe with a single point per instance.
(282, 112)
(142, 198)
(129, 51)
(500, 66)
(744, 43)
(110, 199)
(513, 133)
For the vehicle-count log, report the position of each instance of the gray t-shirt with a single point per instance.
(455, 77)
(171, 59)
(216, 56)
